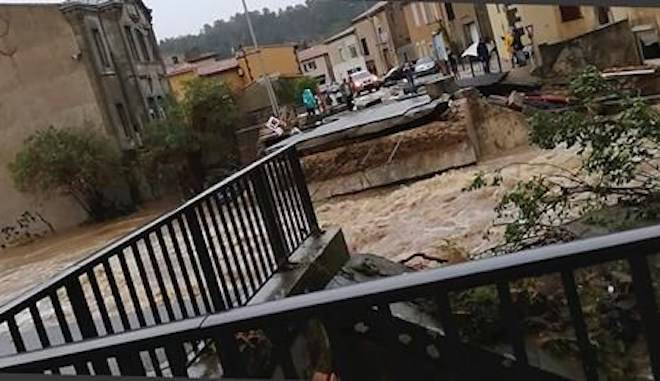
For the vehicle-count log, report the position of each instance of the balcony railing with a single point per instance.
(164, 349)
(211, 254)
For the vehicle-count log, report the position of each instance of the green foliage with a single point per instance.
(289, 91)
(618, 151)
(198, 132)
(208, 106)
(616, 186)
(313, 20)
(477, 315)
(74, 162)
(170, 139)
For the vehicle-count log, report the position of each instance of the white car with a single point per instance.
(364, 80)
(425, 66)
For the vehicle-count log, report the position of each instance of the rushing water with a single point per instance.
(433, 216)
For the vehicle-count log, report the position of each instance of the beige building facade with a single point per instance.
(384, 36)
(73, 67)
(315, 62)
(345, 54)
(459, 24)
(547, 24)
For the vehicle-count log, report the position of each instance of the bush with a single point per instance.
(198, 132)
(616, 186)
(289, 92)
(73, 162)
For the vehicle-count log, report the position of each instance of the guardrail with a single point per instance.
(162, 350)
(209, 255)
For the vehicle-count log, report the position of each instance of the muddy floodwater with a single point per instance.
(24, 267)
(433, 216)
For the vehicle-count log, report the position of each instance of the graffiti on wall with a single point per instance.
(28, 226)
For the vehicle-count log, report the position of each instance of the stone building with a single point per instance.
(459, 25)
(345, 54)
(92, 65)
(549, 24)
(384, 38)
(315, 63)
(272, 60)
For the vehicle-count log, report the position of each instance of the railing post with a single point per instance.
(648, 308)
(84, 318)
(264, 194)
(308, 205)
(231, 360)
(204, 259)
(81, 309)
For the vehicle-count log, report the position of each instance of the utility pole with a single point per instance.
(266, 78)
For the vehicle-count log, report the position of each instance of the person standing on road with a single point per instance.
(409, 72)
(484, 55)
(309, 101)
(508, 46)
(453, 63)
(347, 92)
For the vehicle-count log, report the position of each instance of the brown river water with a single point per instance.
(431, 216)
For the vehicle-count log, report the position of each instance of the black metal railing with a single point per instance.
(164, 350)
(209, 255)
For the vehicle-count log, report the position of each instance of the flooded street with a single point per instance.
(24, 267)
(433, 216)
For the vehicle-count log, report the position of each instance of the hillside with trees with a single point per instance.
(312, 21)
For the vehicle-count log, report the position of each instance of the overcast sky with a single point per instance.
(177, 17)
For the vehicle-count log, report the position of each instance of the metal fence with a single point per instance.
(164, 350)
(209, 255)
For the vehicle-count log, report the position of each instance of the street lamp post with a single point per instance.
(269, 86)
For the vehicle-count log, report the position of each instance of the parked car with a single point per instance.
(394, 76)
(364, 81)
(426, 66)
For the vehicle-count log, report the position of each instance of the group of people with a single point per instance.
(514, 47)
(318, 103)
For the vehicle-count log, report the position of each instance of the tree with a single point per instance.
(616, 186)
(289, 91)
(618, 146)
(73, 162)
(312, 21)
(197, 133)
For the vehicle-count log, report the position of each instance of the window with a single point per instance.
(365, 47)
(123, 118)
(471, 31)
(321, 79)
(153, 108)
(341, 55)
(154, 48)
(146, 56)
(150, 85)
(161, 106)
(100, 48)
(353, 50)
(131, 42)
(450, 11)
(603, 15)
(310, 66)
(436, 12)
(570, 13)
(415, 14)
(422, 9)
